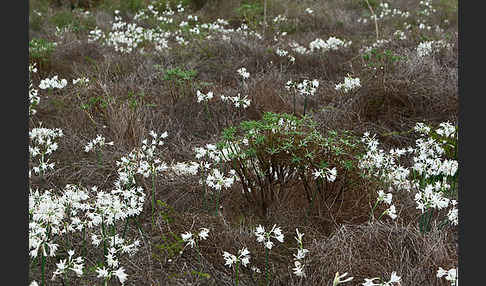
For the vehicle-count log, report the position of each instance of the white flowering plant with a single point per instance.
(304, 88)
(431, 177)
(265, 237)
(242, 258)
(300, 257)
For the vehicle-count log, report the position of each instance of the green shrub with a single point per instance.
(273, 155)
(40, 51)
(251, 12)
(180, 82)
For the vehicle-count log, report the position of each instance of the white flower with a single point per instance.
(391, 212)
(264, 237)
(204, 97)
(53, 82)
(450, 275)
(394, 278)
(369, 282)
(349, 84)
(122, 276)
(337, 279)
(187, 237)
(243, 257)
(102, 272)
(382, 196)
(203, 234)
(298, 269)
(242, 71)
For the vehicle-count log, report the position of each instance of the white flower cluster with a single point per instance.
(243, 73)
(304, 88)
(204, 97)
(296, 47)
(243, 257)
(216, 180)
(116, 205)
(383, 164)
(377, 44)
(126, 37)
(394, 278)
(113, 269)
(426, 8)
(300, 256)
(326, 173)
(237, 100)
(386, 11)
(192, 240)
(184, 168)
(75, 265)
(450, 275)
(53, 82)
(283, 53)
(431, 197)
(428, 163)
(332, 44)
(280, 18)
(428, 48)
(42, 144)
(98, 141)
(212, 177)
(247, 32)
(52, 216)
(387, 198)
(34, 98)
(265, 236)
(149, 162)
(81, 81)
(399, 34)
(349, 84)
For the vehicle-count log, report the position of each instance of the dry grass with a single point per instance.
(337, 233)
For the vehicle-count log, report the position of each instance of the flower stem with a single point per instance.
(266, 266)
(153, 196)
(43, 262)
(294, 103)
(98, 152)
(236, 278)
(372, 215)
(305, 104)
(125, 228)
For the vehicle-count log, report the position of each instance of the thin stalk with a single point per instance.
(43, 262)
(199, 256)
(103, 234)
(98, 153)
(236, 278)
(84, 242)
(376, 20)
(305, 104)
(65, 279)
(266, 266)
(153, 191)
(294, 103)
(372, 215)
(216, 207)
(125, 228)
(207, 111)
